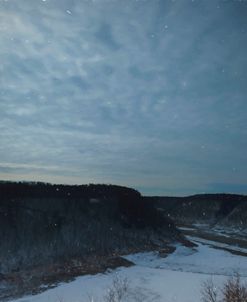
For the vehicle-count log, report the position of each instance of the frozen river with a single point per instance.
(178, 277)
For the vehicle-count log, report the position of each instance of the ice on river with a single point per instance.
(177, 277)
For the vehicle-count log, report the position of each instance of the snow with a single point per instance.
(177, 277)
(186, 229)
(218, 244)
(203, 259)
(230, 231)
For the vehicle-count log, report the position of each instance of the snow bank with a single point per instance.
(175, 278)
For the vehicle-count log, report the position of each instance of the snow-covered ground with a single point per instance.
(217, 244)
(176, 278)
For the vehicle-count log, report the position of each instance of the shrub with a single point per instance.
(233, 290)
(118, 290)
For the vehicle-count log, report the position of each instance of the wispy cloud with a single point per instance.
(149, 94)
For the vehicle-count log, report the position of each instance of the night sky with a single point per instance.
(147, 94)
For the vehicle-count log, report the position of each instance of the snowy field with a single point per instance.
(176, 278)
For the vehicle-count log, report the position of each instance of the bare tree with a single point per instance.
(234, 291)
(209, 291)
(118, 291)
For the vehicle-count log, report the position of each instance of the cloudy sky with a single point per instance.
(148, 94)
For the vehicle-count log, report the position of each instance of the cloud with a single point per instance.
(149, 94)
(228, 188)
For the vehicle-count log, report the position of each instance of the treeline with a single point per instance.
(42, 223)
(40, 189)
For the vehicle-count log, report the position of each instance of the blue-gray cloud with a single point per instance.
(150, 94)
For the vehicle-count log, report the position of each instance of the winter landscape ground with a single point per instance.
(63, 243)
(177, 277)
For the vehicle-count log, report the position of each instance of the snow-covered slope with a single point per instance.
(176, 278)
(213, 209)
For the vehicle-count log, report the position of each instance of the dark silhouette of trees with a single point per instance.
(41, 223)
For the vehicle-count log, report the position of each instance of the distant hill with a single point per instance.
(215, 209)
(42, 223)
